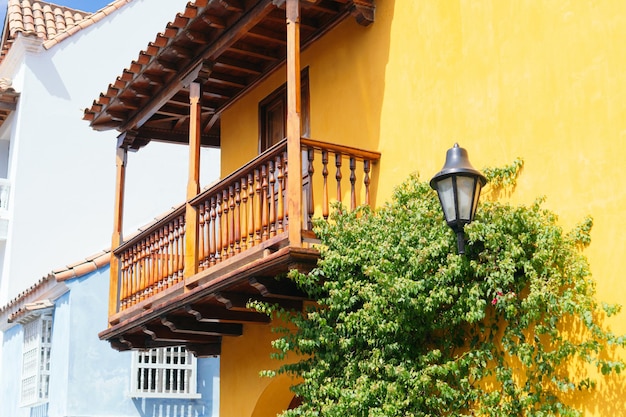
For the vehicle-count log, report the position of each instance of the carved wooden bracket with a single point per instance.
(363, 11)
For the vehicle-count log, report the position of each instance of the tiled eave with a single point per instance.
(49, 288)
(228, 46)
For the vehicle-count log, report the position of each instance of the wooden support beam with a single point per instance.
(209, 313)
(240, 301)
(163, 334)
(118, 219)
(192, 326)
(271, 287)
(294, 158)
(193, 182)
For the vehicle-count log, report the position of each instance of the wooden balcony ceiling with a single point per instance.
(229, 45)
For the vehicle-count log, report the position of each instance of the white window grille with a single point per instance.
(164, 373)
(36, 360)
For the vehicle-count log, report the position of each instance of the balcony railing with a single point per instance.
(242, 211)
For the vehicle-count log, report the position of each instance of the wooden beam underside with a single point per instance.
(230, 49)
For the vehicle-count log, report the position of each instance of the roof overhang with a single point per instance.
(8, 99)
(229, 46)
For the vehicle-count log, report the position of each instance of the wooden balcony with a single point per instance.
(179, 284)
(187, 278)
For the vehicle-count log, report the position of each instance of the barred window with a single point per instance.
(36, 360)
(164, 373)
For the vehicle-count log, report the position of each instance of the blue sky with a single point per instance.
(84, 5)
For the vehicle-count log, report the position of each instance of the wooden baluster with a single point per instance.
(271, 196)
(285, 182)
(172, 264)
(123, 279)
(231, 220)
(244, 217)
(201, 239)
(338, 175)
(251, 209)
(136, 273)
(166, 257)
(207, 233)
(237, 217)
(366, 180)
(203, 235)
(325, 208)
(127, 254)
(310, 202)
(280, 209)
(156, 262)
(257, 207)
(162, 260)
(176, 251)
(145, 247)
(133, 281)
(219, 225)
(153, 262)
(181, 258)
(352, 182)
(148, 264)
(212, 233)
(129, 276)
(225, 230)
(141, 284)
(154, 237)
(264, 207)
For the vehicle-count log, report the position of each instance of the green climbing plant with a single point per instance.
(403, 326)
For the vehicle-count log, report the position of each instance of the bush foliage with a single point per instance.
(403, 326)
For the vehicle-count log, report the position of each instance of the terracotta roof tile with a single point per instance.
(47, 21)
(82, 267)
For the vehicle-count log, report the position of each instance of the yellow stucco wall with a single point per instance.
(545, 81)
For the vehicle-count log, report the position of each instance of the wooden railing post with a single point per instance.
(193, 183)
(116, 238)
(294, 181)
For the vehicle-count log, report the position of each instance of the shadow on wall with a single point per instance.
(158, 407)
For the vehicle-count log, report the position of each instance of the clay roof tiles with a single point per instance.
(47, 21)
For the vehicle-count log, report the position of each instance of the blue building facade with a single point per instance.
(80, 375)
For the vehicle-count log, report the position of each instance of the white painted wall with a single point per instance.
(63, 172)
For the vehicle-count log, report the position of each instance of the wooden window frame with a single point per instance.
(278, 97)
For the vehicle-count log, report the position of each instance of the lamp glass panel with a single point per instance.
(465, 190)
(476, 198)
(446, 197)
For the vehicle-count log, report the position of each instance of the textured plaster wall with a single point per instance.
(543, 81)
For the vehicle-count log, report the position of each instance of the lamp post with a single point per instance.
(458, 185)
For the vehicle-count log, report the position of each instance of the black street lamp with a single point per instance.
(458, 185)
